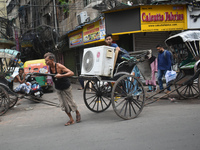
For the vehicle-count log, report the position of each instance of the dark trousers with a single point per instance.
(161, 73)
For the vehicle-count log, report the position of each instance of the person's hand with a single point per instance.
(27, 83)
(58, 75)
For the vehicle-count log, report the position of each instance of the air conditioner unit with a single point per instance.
(82, 17)
(98, 61)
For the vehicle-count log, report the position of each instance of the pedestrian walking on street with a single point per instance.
(164, 64)
(63, 87)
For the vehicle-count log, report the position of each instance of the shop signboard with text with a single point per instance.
(163, 18)
(76, 39)
(91, 32)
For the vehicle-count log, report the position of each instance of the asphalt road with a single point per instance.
(161, 126)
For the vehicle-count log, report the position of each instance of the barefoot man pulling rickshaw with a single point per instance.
(63, 87)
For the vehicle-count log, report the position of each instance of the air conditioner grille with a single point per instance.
(88, 61)
(79, 19)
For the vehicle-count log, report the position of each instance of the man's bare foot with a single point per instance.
(70, 122)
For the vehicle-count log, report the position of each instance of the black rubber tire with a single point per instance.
(190, 90)
(97, 95)
(4, 101)
(127, 102)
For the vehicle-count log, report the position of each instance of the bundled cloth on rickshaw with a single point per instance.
(123, 55)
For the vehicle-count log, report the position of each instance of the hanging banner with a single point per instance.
(91, 32)
(102, 29)
(76, 40)
(163, 18)
(17, 40)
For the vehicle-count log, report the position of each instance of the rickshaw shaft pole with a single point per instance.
(161, 96)
(159, 92)
(44, 101)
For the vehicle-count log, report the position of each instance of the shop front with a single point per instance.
(5, 43)
(148, 25)
(133, 28)
(89, 35)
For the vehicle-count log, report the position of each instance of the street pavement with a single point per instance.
(163, 125)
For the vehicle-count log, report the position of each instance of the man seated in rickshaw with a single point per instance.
(20, 84)
(121, 53)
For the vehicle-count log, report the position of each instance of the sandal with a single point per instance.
(78, 118)
(69, 123)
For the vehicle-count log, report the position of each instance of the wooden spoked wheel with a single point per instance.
(13, 100)
(4, 101)
(128, 97)
(191, 90)
(97, 95)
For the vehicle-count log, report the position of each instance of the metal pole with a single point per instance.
(196, 47)
(161, 96)
(55, 19)
(31, 13)
(193, 53)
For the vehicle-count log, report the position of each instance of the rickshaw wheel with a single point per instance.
(97, 95)
(190, 90)
(4, 101)
(13, 100)
(128, 97)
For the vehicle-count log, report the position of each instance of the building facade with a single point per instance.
(81, 14)
(67, 27)
(6, 40)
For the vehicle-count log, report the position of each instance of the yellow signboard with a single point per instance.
(91, 32)
(163, 18)
(76, 39)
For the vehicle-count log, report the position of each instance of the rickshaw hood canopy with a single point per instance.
(8, 53)
(186, 36)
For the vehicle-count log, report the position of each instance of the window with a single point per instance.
(48, 20)
(86, 2)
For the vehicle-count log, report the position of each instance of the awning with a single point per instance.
(2, 40)
(186, 36)
(8, 53)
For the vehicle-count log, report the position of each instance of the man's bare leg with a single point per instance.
(71, 121)
(78, 116)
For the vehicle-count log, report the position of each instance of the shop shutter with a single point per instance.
(70, 60)
(149, 40)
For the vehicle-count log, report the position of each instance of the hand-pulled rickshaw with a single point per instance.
(125, 91)
(9, 60)
(127, 95)
(186, 46)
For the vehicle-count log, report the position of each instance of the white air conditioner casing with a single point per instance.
(98, 61)
(82, 17)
